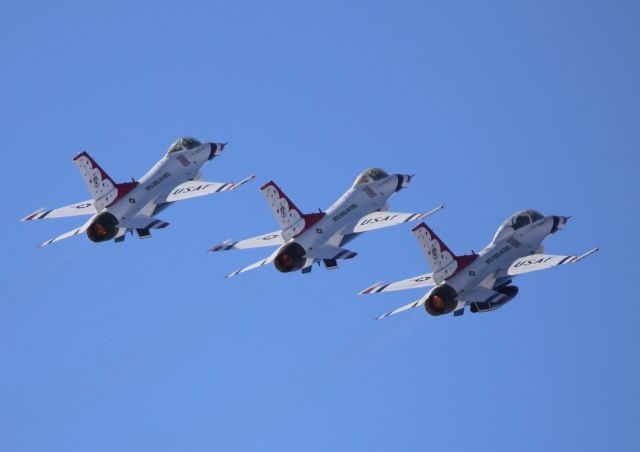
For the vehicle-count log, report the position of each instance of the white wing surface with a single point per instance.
(73, 210)
(425, 280)
(66, 235)
(255, 265)
(270, 239)
(406, 307)
(536, 262)
(379, 220)
(196, 188)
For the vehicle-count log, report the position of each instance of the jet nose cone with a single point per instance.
(559, 222)
(404, 180)
(216, 149)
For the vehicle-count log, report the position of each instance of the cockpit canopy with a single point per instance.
(370, 175)
(517, 221)
(183, 144)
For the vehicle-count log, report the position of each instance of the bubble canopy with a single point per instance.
(517, 221)
(183, 144)
(370, 175)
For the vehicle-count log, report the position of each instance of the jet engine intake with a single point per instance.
(442, 300)
(291, 257)
(103, 228)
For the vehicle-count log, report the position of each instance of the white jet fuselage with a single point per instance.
(493, 261)
(341, 218)
(155, 186)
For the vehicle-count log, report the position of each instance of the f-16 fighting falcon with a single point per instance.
(304, 239)
(118, 208)
(483, 280)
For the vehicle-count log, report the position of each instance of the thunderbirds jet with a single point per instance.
(304, 239)
(483, 280)
(118, 208)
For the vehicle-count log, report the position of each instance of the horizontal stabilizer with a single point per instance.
(255, 265)
(270, 239)
(406, 307)
(73, 210)
(66, 235)
(425, 280)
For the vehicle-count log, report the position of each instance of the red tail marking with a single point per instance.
(123, 188)
(292, 206)
(310, 219)
(463, 261)
(443, 246)
(95, 165)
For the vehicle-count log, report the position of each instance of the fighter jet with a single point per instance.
(133, 206)
(483, 280)
(305, 239)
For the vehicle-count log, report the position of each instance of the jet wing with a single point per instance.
(270, 239)
(66, 235)
(255, 265)
(406, 307)
(536, 262)
(425, 280)
(383, 219)
(73, 210)
(196, 188)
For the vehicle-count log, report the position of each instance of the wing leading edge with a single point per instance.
(384, 219)
(197, 188)
(537, 262)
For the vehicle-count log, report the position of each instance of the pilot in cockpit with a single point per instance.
(370, 175)
(183, 144)
(517, 221)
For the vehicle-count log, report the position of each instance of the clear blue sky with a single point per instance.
(496, 106)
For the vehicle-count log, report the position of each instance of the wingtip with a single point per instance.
(32, 215)
(434, 210)
(589, 253)
(371, 288)
(243, 181)
(220, 246)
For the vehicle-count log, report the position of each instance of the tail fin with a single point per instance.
(102, 188)
(291, 220)
(444, 263)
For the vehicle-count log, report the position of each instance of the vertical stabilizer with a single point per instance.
(291, 220)
(102, 188)
(444, 263)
